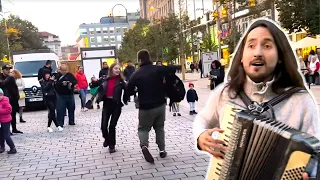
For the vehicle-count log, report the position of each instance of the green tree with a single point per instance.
(133, 40)
(22, 35)
(296, 15)
(208, 43)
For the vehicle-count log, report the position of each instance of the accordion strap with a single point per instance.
(255, 107)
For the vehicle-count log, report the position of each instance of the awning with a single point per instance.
(306, 42)
(74, 56)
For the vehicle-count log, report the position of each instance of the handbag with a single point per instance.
(22, 95)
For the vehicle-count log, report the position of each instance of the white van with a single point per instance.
(29, 63)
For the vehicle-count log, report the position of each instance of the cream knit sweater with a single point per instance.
(299, 111)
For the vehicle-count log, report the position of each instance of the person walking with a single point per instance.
(83, 87)
(5, 118)
(112, 93)
(149, 80)
(20, 83)
(10, 89)
(49, 95)
(64, 87)
(128, 71)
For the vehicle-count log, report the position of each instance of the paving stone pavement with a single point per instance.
(77, 152)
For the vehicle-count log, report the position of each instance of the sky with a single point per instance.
(63, 17)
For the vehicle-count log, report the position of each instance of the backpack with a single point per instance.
(174, 88)
(255, 108)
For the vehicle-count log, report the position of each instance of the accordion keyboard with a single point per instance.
(216, 171)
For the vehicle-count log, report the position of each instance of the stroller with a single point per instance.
(94, 92)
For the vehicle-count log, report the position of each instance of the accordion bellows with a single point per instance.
(261, 149)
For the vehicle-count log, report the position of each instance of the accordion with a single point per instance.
(261, 149)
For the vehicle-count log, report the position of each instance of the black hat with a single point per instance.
(7, 66)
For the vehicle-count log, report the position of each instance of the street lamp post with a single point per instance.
(6, 29)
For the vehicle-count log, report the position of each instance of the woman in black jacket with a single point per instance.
(49, 95)
(216, 74)
(112, 93)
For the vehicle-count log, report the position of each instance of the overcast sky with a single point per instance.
(63, 17)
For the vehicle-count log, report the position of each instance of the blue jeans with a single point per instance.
(5, 135)
(65, 102)
(83, 96)
(192, 106)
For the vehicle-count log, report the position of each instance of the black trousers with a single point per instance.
(51, 106)
(111, 112)
(15, 109)
(313, 76)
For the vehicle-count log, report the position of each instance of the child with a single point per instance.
(93, 92)
(5, 119)
(192, 97)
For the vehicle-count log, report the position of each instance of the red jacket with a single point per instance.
(82, 81)
(5, 110)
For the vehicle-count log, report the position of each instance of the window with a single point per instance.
(99, 39)
(98, 30)
(93, 45)
(118, 46)
(83, 32)
(31, 70)
(119, 38)
(92, 39)
(111, 30)
(105, 30)
(106, 38)
(125, 29)
(91, 30)
(113, 45)
(112, 38)
(118, 30)
(99, 45)
(106, 45)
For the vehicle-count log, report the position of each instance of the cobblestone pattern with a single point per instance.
(77, 152)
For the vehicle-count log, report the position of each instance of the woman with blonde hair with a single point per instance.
(20, 83)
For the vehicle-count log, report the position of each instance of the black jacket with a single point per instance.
(65, 90)
(44, 70)
(9, 87)
(128, 72)
(47, 87)
(103, 71)
(119, 95)
(192, 95)
(149, 79)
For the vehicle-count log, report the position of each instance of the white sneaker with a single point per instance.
(60, 128)
(85, 109)
(50, 129)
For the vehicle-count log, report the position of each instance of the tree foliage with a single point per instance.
(160, 38)
(208, 43)
(21, 34)
(296, 15)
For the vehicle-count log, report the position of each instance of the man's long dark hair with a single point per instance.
(285, 74)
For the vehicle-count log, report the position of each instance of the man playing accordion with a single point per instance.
(263, 66)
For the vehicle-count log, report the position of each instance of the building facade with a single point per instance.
(151, 9)
(52, 41)
(109, 32)
(70, 52)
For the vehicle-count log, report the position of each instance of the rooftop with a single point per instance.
(47, 34)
